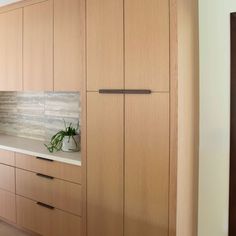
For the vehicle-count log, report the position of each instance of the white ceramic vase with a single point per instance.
(71, 144)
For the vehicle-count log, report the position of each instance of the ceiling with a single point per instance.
(5, 2)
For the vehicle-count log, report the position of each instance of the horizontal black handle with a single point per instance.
(45, 205)
(125, 91)
(44, 159)
(44, 176)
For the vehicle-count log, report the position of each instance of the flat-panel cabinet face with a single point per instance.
(45, 221)
(11, 50)
(69, 44)
(105, 44)
(8, 205)
(146, 164)
(147, 44)
(105, 164)
(38, 47)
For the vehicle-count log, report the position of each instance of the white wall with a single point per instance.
(214, 21)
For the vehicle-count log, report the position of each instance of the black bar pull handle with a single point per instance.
(44, 159)
(45, 205)
(44, 176)
(125, 91)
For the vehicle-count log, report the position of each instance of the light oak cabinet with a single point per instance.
(105, 165)
(146, 164)
(147, 44)
(11, 50)
(69, 45)
(42, 46)
(7, 157)
(105, 46)
(7, 178)
(38, 46)
(40, 195)
(7, 186)
(61, 194)
(8, 206)
(128, 132)
(44, 221)
(57, 169)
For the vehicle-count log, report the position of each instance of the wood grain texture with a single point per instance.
(147, 44)
(7, 178)
(11, 51)
(38, 47)
(105, 44)
(146, 164)
(8, 206)
(55, 169)
(105, 165)
(58, 193)
(45, 221)
(7, 157)
(173, 118)
(69, 44)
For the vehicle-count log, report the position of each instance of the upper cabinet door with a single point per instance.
(38, 46)
(69, 44)
(147, 44)
(105, 44)
(11, 50)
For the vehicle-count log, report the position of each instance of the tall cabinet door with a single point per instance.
(147, 44)
(146, 164)
(105, 133)
(105, 44)
(11, 50)
(69, 44)
(38, 46)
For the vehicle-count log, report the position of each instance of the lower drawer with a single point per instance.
(55, 192)
(45, 221)
(8, 206)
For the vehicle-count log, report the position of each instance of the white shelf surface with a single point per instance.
(37, 148)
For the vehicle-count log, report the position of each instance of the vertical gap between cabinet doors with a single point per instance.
(169, 121)
(84, 135)
(173, 116)
(124, 128)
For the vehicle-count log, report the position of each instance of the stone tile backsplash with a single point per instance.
(37, 115)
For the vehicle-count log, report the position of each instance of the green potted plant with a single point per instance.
(67, 140)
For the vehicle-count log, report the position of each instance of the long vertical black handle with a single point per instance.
(125, 91)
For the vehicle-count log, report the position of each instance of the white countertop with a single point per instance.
(37, 148)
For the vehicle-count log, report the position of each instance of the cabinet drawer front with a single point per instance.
(8, 205)
(53, 168)
(7, 178)
(45, 221)
(58, 193)
(7, 157)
